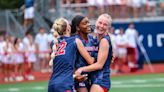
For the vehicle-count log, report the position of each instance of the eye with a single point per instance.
(105, 24)
(87, 22)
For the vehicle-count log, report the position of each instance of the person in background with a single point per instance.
(41, 40)
(5, 65)
(121, 45)
(19, 54)
(28, 13)
(10, 58)
(151, 6)
(136, 8)
(132, 36)
(31, 58)
(91, 8)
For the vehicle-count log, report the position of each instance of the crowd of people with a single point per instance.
(121, 8)
(20, 56)
(125, 48)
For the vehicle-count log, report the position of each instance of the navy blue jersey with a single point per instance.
(102, 77)
(63, 63)
(80, 61)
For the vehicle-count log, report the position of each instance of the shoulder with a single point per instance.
(104, 44)
(104, 40)
(108, 37)
(77, 40)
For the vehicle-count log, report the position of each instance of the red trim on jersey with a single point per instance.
(67, 91)
(105, 89)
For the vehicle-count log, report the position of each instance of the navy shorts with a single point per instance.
(101, 78)
(60, 88)
(84, 84)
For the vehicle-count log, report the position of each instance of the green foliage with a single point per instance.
(11, 4)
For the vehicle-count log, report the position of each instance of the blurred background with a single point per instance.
(26, 23)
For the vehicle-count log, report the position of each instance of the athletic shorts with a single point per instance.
(101, 78)
(60, 88)
(29, 13)
(84, 84)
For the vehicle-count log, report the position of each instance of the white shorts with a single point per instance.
(121, 52)
(136, 3)
(117, 2)
(122, 55)
(2, 57)
(19, 58)
(29, 13)
(110, 2)
(9, 59)
(92, 2)
(152, 3)
(44, 55)
(100, 2)
(31, 57)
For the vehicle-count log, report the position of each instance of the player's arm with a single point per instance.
(84, 52)
(102, 56)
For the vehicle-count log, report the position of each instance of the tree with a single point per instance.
(11, 4)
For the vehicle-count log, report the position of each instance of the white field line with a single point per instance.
(23, 88)
(13, 89)
(136, 83)
(138, 86)
(39, 88)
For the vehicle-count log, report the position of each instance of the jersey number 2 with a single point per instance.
(61, 48)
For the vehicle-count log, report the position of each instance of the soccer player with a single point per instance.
(81, 25)
(100, 77)
(63, 64)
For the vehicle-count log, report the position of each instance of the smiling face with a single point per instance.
(84, 26)
(102, 25)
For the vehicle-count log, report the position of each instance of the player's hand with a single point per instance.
(78, 72)
(81, 77)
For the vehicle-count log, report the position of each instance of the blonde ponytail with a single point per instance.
(54, 48)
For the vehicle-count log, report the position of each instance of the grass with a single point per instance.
(139, 83)
(25, 87)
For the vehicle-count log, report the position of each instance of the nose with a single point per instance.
(101, 25)
(88, 24)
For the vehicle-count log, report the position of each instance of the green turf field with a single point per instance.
(140, 83)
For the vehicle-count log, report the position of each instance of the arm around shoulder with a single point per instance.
(102, 57)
